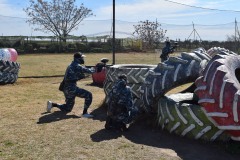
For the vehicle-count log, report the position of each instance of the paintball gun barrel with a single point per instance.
(175, 45)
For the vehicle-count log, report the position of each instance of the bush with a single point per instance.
(94, 44)
(54, 48)
(28, 48)
(97, 50)
(82, 47)
(17, 44)
(4, 43)
(106, 48)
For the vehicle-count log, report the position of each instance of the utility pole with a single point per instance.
(235, 35)
(194, 32)
(113, 39)
(194, 35)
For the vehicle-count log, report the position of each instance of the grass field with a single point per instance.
(28, 132)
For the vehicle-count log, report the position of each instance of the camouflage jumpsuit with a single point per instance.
(120, 103)
(75, 72)
(166, 51)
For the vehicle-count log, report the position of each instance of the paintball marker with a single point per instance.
(175, 45)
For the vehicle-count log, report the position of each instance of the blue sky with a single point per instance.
(211, 24)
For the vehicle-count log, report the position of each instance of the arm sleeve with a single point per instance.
(87, 70)
(129, 99)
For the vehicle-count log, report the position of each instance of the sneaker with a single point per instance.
(49, 106)
(86, 115)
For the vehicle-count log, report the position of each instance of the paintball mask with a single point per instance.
(79, 57)
(124, 78)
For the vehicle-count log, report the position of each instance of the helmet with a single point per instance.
(122, 81)
(123, 76)
(104, 60)
(168, 44)
(79, 57)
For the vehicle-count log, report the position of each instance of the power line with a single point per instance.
(223, 24)
(124, 21)
(225, 10)
(162, 23)
(13, 17)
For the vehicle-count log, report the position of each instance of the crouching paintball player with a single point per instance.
(74, 72)
(120, 106)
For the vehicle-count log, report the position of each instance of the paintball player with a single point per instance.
(120, 105)
(74, 72)
(166, 51)
(100, 65)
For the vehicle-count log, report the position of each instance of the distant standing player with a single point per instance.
(166, 51)
(74, 72)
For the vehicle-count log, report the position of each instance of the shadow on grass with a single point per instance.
(188, 149)
(53, 117)
(145, 133)
(100, 113)
(104, 135)
(95, 85)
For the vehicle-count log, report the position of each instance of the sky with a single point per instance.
(203, 19)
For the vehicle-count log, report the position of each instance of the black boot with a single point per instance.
(108, 124)
(123, 127)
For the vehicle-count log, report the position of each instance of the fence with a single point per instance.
(16, 26)
(101, 31)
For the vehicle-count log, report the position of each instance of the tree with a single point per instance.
(150, 33)
(233, 38)
(59, 17)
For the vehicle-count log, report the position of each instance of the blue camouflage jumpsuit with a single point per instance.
(75, 72)
(166, 51)
(120, 104)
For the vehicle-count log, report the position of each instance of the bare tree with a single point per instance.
(59, 17)
(235, 42)
(150, 33)
(233, 38)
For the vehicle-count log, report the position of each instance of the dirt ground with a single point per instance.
(159, 144)
(149, 141)
(163, 145)
(28, 132)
